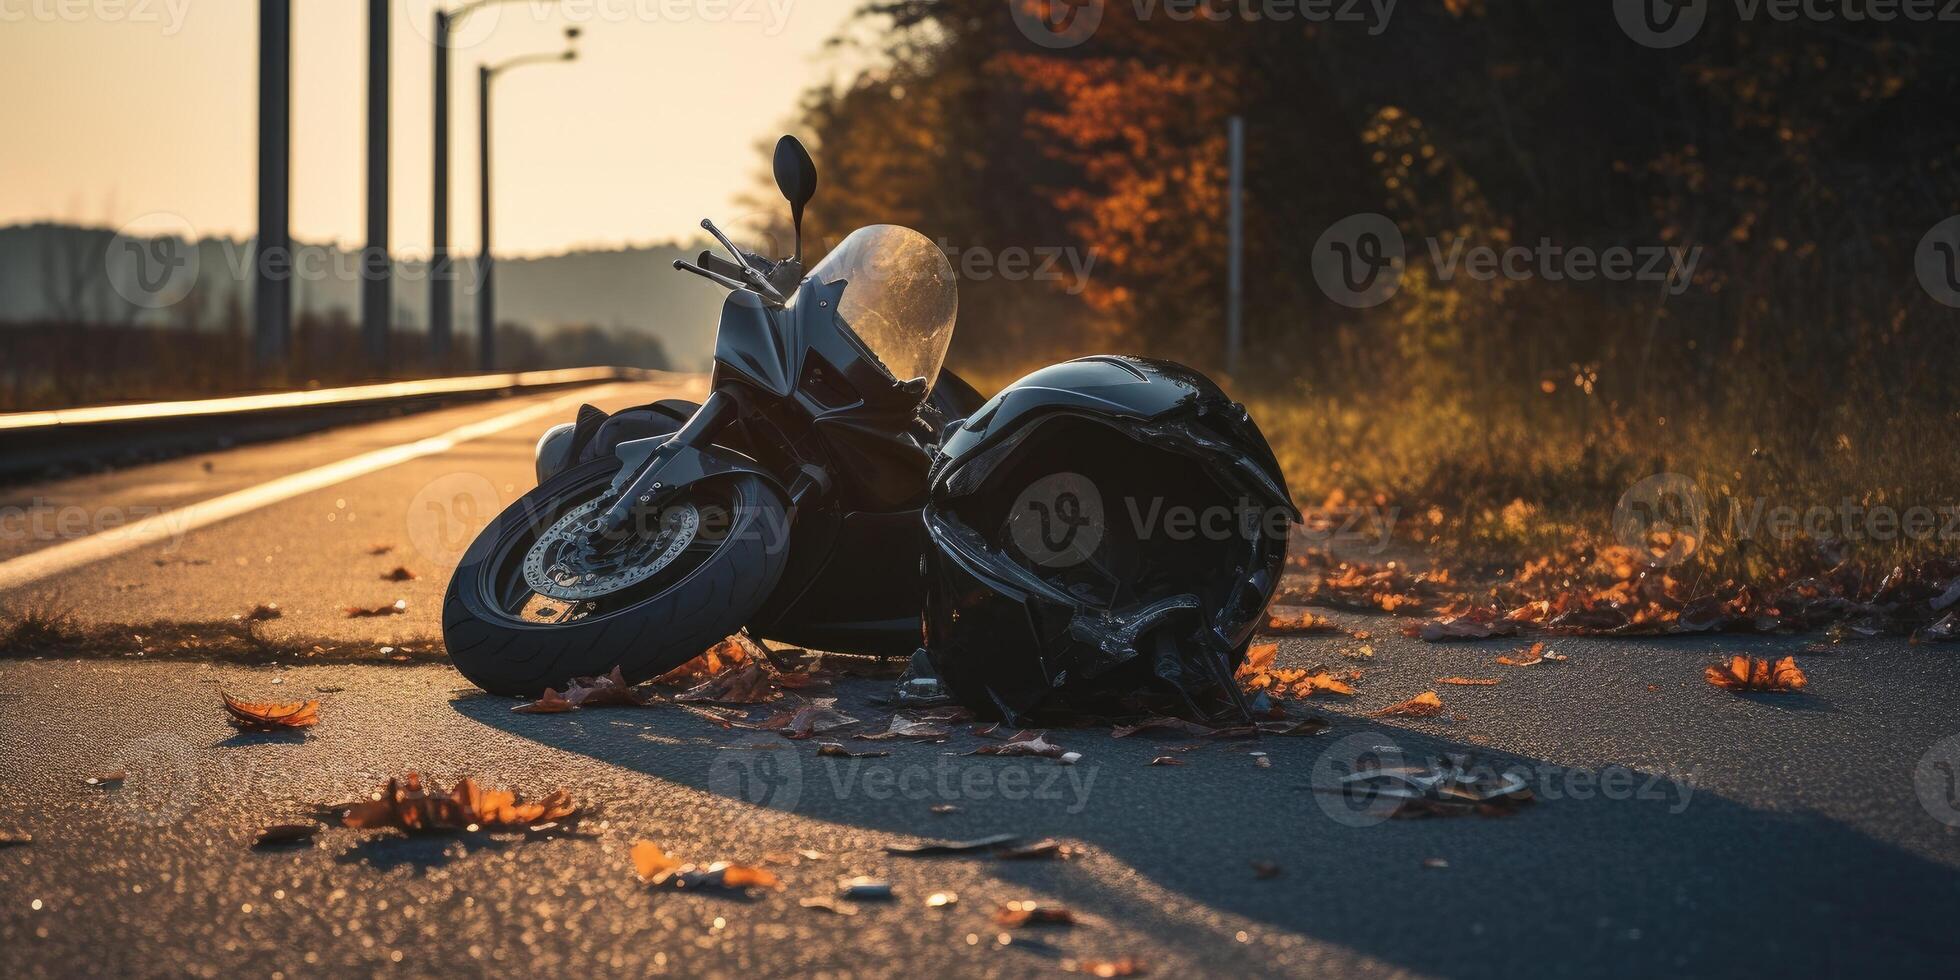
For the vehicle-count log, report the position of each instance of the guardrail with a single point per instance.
(34, 443)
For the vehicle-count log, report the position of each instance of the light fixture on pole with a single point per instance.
(486, 296)
(442, 279)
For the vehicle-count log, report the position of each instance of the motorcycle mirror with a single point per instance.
(796, 177)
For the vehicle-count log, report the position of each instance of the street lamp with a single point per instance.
(486, 302)
(441, 284)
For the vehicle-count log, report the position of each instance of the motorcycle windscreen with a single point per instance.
(900, 298)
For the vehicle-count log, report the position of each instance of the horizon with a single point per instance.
(196, 124)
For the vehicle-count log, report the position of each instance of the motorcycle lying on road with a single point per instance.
(788, 501)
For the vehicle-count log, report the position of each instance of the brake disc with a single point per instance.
(564, 563)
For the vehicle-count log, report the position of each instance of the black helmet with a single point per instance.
(1103, 533)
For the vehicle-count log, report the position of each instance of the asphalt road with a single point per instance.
(1678, 829)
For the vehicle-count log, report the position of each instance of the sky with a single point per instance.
(143, 114)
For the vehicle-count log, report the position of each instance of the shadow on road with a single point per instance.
(1643, 876)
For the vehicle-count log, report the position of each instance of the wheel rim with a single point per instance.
(545, 573)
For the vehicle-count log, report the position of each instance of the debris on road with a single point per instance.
(1423, 705)
(395, 608)
(910, 726)
(1259, 673)
(1027, 743)
(1265, 870)
(862, 888)
(270, 716)
(838, 750)
(404, 805)
(1045, 849)
(940, 900)
(1451, 788)
(10, 838)
(1299, 622)
(112, 778)
(1166, 760)
(399, 573)
(1757, 674)
(811, 719)
(1469, 681)
(1014, 915)
(657, 868)
(550, 703)
(960, 847)
(824, 903)
(285, 833)
(260, 613)
(1530, 656)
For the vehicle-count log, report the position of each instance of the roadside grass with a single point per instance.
(1491, 488)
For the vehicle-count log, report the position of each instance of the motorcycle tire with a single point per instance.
(502, 652)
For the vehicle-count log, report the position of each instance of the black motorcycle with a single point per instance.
(787, 502)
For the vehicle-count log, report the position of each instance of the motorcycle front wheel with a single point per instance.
(532, 605)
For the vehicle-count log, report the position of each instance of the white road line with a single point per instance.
(70, 555)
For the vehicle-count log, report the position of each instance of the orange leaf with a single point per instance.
(550, 704)
(404, 805)
(1421, 706)
(1757, 674)
(1468, 681)
(270, 716)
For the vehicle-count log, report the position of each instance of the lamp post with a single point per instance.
(442, 287)
(486, 296)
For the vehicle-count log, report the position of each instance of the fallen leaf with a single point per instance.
(10, 838)
(940, 900)
(404, 805)
(111, 778)
(838, 749)
(260, 613)
(1164, 725)
(1528, 657)
(1014, 915)
(1298, 622)
(399, 574)
(285, 833)
(395, 608)
(906, 726)
(1045, 849)
(945, 808)
(1948, 628)
(1757, 674)
(1421, 706)
(939, 848)
(271, 716)
(612, 689)
(1265, 870)
(1469, 681)
(1025, 743)
(657, 868)
(1166, 760)
(380, 549)
(550, 703)
(811, 719)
